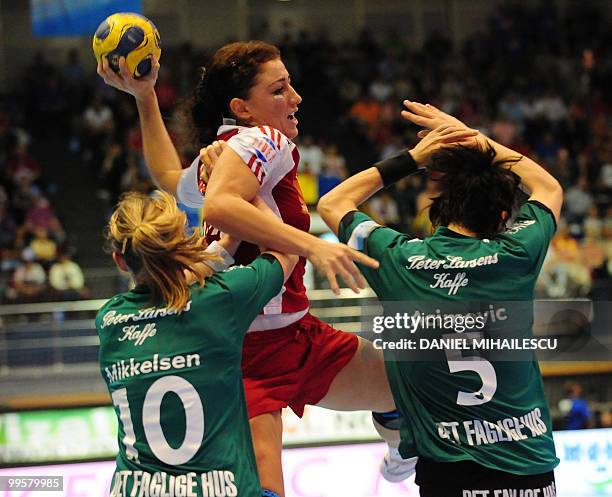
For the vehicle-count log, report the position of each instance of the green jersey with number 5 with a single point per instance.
(458, 405)
(176, 385)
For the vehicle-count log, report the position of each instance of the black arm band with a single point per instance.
(396, 167)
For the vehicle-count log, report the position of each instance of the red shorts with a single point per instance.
(293, 366)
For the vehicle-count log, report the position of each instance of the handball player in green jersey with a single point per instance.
(479, 428)
(170, 353)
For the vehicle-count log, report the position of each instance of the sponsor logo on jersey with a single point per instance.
(416, 262)
(136, 334)
(520, 225)
(446, 281)
(483, 432)
(547, 491)
(216, 483)
(113, 317)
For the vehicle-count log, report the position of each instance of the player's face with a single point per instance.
(273, 101)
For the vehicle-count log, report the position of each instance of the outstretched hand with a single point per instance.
(124, 81)
(428, 116)
(333, 259)
(442, 136)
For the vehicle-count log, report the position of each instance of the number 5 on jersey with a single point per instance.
(483, 368)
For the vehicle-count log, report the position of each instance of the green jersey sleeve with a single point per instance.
(360, 232)
(531, 233)
(253, 286)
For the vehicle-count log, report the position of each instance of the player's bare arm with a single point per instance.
(161, 156)
(230, 191)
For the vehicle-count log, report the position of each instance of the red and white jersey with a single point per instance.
(273, 159)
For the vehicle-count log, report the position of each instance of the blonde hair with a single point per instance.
(149, 232)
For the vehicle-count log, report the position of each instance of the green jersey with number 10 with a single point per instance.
(176, 385)
(456, 407)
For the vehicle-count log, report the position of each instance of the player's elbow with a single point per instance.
(215, 211)
(551, 195)
(555, 191)
(558, 189)
(167, 181)
(325, 206)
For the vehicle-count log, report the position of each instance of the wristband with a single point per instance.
(397, 167)
(215, 248)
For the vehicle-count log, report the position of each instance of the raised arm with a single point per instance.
(231, 188)
(543, 186)
(351, 193)
(160, 155)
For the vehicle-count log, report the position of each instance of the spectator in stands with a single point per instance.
(28, 283)
(53, 103)
(565, 246)
(366, 112)
(23, 195)
(334, 163)
(380, 89)
(578, 200)
(511, 108)
(562, 167)
(43, 248)
(19, 160)
(383, 209)
(564, 273)
(551, 107)
(562, 278)
(73, 74)
(98, 124)
(575, 408)
(41, 215)
(548, 148)
(66, 279)
(312, 157)
(334, 170)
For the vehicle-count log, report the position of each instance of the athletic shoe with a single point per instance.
(394, 468)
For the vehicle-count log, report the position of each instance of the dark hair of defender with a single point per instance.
(230, 74)
(473, 189)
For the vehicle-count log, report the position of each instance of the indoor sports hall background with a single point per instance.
(533, 74)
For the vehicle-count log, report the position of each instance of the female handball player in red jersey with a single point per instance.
(290, 358)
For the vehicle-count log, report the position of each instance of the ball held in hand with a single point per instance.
(128, 35)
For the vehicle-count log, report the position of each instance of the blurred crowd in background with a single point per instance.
(531, 79)
(35, 258)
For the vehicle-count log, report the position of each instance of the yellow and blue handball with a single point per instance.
(128, 35)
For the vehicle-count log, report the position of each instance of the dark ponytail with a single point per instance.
(205, 113)
(230, 74)
(473, 189)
